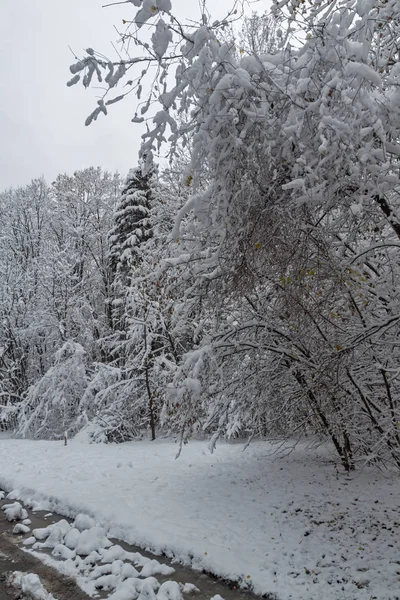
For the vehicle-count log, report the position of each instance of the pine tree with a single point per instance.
(132, 223)
(131, 229)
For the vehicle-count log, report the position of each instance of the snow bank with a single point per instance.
(98, 564)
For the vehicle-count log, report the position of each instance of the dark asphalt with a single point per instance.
(13, 558)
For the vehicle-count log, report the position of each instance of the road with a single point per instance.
(13, 558)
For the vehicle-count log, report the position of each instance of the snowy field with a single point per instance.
(292, 525)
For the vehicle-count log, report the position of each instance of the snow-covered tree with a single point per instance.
(46, 232)
(143, 344)
(24, 242)
(131, 228)
(85, 204)
(261, 297)
(299, 151)
(131, 222)
(50, 407)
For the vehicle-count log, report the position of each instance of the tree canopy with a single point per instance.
(256, 276)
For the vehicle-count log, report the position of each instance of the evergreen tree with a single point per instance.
(131, 228)
(131, 222)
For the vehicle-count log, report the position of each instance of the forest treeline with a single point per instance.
(250, 288)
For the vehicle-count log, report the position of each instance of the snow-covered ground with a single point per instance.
(293, 525)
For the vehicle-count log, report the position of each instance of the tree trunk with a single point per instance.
(151, 405)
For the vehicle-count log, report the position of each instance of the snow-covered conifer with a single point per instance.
(132, 225)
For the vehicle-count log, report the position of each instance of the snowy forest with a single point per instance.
(242, 279)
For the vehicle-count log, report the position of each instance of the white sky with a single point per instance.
(42, 128)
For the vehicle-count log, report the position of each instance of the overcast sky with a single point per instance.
(42, 128)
